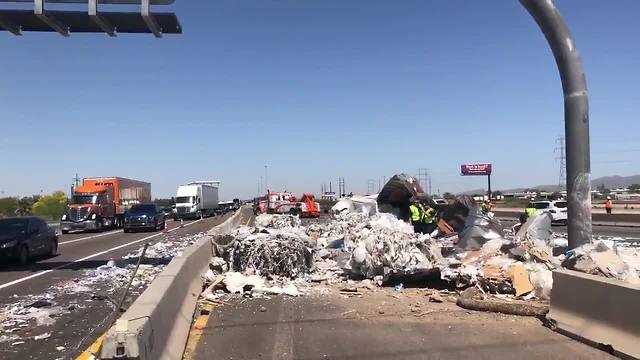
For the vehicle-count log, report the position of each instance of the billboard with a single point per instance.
(475, 169)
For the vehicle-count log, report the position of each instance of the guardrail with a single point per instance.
(597, 310)
(157, 324)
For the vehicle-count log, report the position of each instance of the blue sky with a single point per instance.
(316, 90)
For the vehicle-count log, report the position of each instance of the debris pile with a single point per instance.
(263, 253)
(277, 221)
(384, 245)
(280, 256)
(606, 259)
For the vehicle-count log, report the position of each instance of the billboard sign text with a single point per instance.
(475, 169)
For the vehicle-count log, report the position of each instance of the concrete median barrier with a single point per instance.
(157, 324)
(597, 310)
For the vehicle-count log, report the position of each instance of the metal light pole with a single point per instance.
(576, 117)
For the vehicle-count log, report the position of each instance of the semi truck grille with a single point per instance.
(78, 214)
(182, 210)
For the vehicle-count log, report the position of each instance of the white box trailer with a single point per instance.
(197, 199)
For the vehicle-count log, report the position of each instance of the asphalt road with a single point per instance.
(88, 315)
(379, 325)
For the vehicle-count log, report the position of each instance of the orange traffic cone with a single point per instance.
(166, 228)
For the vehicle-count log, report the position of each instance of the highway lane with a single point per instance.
(83, 251)
(86, 314)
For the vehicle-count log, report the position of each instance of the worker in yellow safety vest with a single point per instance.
(530, 210)
(486, 207)
(429, 220)
(416, 216)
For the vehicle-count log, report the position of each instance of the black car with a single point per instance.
(144, 216)
(25, 237)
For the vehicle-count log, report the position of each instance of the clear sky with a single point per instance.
(316, 90)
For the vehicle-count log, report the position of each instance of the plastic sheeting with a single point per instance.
(361, 204)
(537, 227)
(478, 230)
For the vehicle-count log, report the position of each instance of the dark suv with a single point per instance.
(22, 238)
(144, 216)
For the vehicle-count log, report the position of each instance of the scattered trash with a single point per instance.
(98, 284)
(8, 338)
(43, 336)
(60, 348)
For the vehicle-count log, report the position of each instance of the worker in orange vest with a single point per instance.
(608, 205)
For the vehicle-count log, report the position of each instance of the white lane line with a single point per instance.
(44, 272)
(89, 237)
(248, 221)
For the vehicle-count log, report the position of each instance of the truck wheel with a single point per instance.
(53, 248)
(23, 255)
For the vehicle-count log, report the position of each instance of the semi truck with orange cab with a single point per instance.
(100, 203)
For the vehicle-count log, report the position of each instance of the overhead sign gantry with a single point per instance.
(90, 20)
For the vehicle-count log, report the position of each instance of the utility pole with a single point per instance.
(576, 117)
(266, 177)
(429, 184)
(562, 178)
(341, 189)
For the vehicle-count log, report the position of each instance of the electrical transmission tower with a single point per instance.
(343, 190)
(371, 186)
(560, 148)
(424, 179)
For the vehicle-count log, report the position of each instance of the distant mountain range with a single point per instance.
(610, 182)
(615, 182)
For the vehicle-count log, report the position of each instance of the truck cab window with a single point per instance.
(84, 199)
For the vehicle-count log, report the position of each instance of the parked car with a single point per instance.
(144, 216)
(557, 209)
(22, 238)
